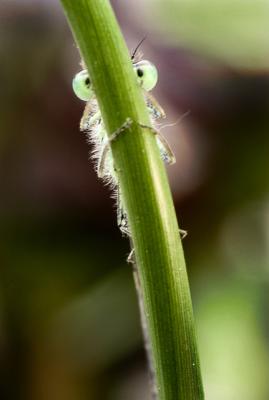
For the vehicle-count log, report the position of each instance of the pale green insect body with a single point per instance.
(92, 124)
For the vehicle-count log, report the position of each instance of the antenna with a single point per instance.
(137, 47)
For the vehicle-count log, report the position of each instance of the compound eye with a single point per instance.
(82, 85)
(147, 74)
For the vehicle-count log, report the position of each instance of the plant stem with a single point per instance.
(147, 199)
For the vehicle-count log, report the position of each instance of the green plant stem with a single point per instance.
(147, 199)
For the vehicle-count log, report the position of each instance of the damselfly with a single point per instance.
(92, 124)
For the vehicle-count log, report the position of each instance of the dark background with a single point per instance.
(69, 322)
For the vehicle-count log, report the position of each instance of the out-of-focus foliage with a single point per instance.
(236, 362)
(233, 31)
(69, 324)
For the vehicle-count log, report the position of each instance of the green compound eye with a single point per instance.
(82, 85)
(146, 73)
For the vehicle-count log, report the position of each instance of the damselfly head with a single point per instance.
(146, 73)
(82, 85)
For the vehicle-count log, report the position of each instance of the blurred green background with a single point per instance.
(69, 321)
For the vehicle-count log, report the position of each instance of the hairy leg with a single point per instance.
(89, 117)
